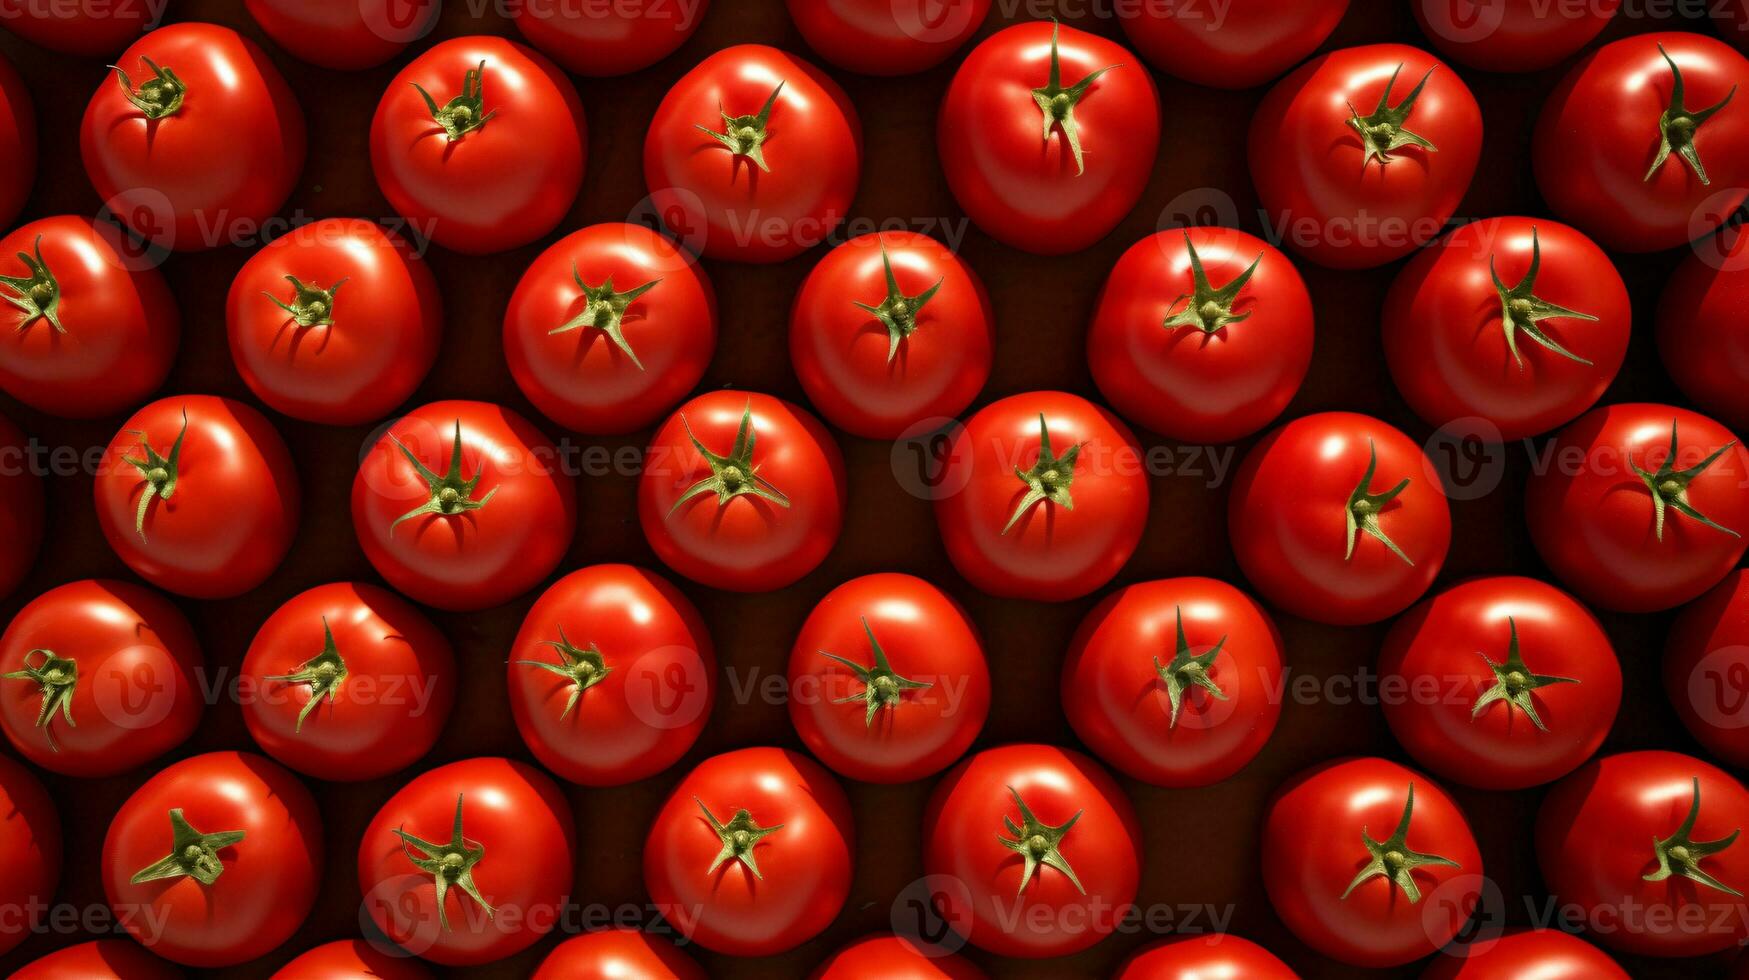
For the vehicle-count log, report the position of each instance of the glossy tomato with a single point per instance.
(1706, 668)
(1047, 136)
(1351, 191)
(751, 855)
(345, 35)
(891, 331)
(17, 141)
(215, 860)
(1209, 957)
(617, 954)
(463, 505)
(1526, 954)
(86, 29)
(1237, 44)
(889, 957)
(754, 155)
(30, 851)
(1511, 35)
(1702, 299)
(887, 37)
(22, 506)
(104, 959)
(610, 328)
(351, 959)
(479, 143)
(598, 40)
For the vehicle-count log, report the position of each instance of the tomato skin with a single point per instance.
(269, 880)
(656, 697)
(502, 185)
(17, 141)
(351, 959)
(617, 954)
(885, 956)
(1526, 954)
(1027, 193)
(1184, 383)
(344, 35)
(589, 44)
(579, 378)
(103, 959)
(1331, 204)
(806, 865)
(86, 30)
(1706, 668)
(1511, 35)
(1117, 703)
(30, 851)
(116, 306)
(1435, 653)
(887, 37)
(23, 513)
(1204, 957)
(1256, 40)
(1706, 358)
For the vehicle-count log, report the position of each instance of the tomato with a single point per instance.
(1239, 44)
(336, 322)
(1640, 844)
(17, 141)
(479, 142)
(1516, 322)
(1044, 496)
(463, 505)
(215, 860)
(196, 141)
(1201, 334)
(1205, 957)
(345, 35)
(884, 956)
(617, 954)
(22, 507)
(611, 676)
(1176, 681)
(887, 37)
(1047, 136)
(1350, 191)
(30, 851)
(104, 959)
(854, 335)
(714, 178)
(1511, 35)
(351, 959)
(1706, 668)
(469, 862)
(1628, 147)
(1500, 683)
(198, 495)
(89, 330)
(742, 491)
(597, 41)
(1281, 519)
(85, 29)
(1707, 359)
(751, 854)
(609, 328)
(1386, 898)
(1526, 954)
(1639, 507)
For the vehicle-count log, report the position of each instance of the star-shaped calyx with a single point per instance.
(1382, 132)
(449, 864)
(311, 305)
(605, 310)
(734, 474)
(584, 668)
(1049, 479)
(38, 294)
(1209, 308)
(745, 136)
(450, 494)
(158, 96)
(192, 854)
(898, 312)
(1393, 860)
(464, 113)
(1522, 309)
(1678, 124)
(882, 688)
(1513, 682)
(739, 836)
(1186, 670)
(1037, 842)
(158, 471)
(1058, 103)
(1362, 512)
(1680, 855)
(324, 672)
(1669, 487)
(57, 677)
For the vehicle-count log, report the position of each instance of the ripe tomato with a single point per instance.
(854, 335)
(351, 959)
(751, 855)
(22, 510)
(1386, 898)
(889, 957)
(1679, 894)
(196, 141)
(1282, 519)
(104, 959)
(469, 862)
(89, 328)
(1045, 497)
(1350, 191)
(1628, 149)
(345, 35)
(609, 328)
(1706, 668)
(591, 40)
(1500, 683)
(1206, 957)
(320, 354)
(1176, 682)
(17, 141)
(1702, 298)
(479, 142)
(1640, 507)
(1526, 954)
(86, 29)
(611, 676)
(887, 679)
(1048, 136)
(887, 37)
(198, 495)
(1511, 35)
(463, 505)
(1239, 44)
(1201, 334)
(731, 193)
(617, 954)
(742, 491)
(30, 851)
(215, 860)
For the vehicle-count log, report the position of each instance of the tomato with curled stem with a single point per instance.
(1706, 668)
(17, 142)
(1511, 35)
(1235, 45)
(885, 956)
(351, 959)
(23, 513)
(1207, 957)
(1702, 300)
(30, 850)
(102, 959)
(598, 41)
(89, 30)
(887, 37)
(617, 954)
(345, 35)
(1520, 954)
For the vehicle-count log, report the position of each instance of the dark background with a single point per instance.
(1201, 845)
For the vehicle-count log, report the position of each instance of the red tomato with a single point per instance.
(1352, 887)
(351, 959)
(611, 676)
(609, 328)
(215, 860)
(715, 179)
(751, 855)
(22, 512)
(98, 677)
(85, 29)
(345, 35)
(469, 862)
(1177, 682)
(479, 142)
(1201, 334)
(1641, 845)
(854, 335)
(198, 495)
(742, 491)
(1044, 497)
(1500, 683)
(336, 321)
(618, 39)
(463, 505)
(887, 37)
(884, 956)
(1352, 201)
(1706, 668)
(1701, 303)
(104, 959)
(30, 851)
(1238, 44)
(1639, 507)
(1206, 957)
(887, 679)
(196, 140)
(1282, 519)
(1048, 136)
(617, 954)
(1603, 159)
(90, 328)
(1526, 954)
(1511, 35)
(17, 140)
